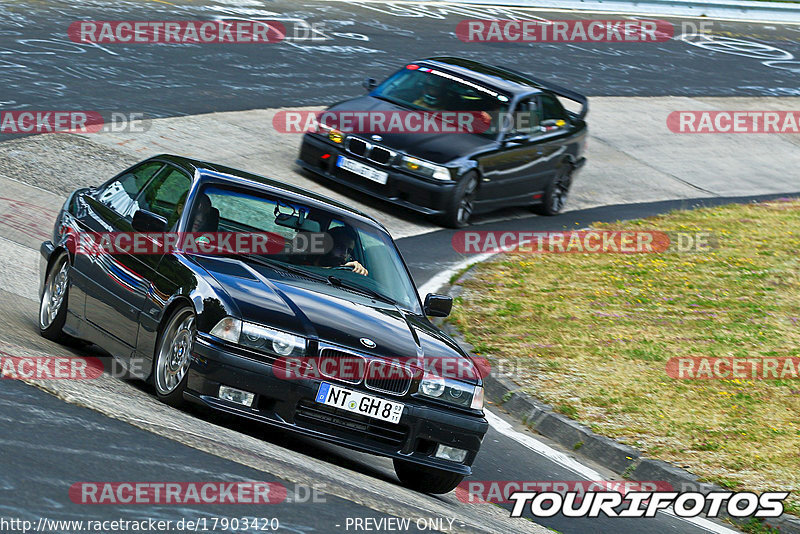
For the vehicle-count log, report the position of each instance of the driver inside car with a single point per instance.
(433, 93)
(340, 255)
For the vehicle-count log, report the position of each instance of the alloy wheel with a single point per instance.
(174, 352)
(53, 295)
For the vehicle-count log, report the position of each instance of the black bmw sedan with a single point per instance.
(328, 340)
(527, 154)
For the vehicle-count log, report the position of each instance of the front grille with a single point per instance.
(365, 149)
(357, 146)
(346, 366)
(335, 421)
(388, 378)
(380, 155)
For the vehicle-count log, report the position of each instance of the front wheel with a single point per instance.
(555, 196)
(426, 479)
(173, 352)
(53, 304)
(462, 204)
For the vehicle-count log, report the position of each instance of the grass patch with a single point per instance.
(591, 334)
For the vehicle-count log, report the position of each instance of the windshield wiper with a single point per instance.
(331, 280)
(280, 266)
(338, 282)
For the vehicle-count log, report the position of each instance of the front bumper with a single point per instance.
(416, 193)
(290, 404)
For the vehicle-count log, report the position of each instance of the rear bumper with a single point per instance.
(412, 192)
(290, 404)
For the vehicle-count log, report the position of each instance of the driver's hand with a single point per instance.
(357, 267)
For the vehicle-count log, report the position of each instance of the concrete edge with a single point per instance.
(624, 460)
(735, 10)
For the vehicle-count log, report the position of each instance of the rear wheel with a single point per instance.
(173, 351)
(53, 304)
(555, 196)
(462, 205)
(426, 479)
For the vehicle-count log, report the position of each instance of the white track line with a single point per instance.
(530, 442)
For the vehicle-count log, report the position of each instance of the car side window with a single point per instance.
(525, 118)
(120, 194)
(552, 109)
(165, 195)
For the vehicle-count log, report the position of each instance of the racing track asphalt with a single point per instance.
(40, 68)
(49, 444)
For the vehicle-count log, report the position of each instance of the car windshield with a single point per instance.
(429, 89)
(342, 252)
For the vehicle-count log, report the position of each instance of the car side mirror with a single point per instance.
(147, 221)
(369, 84)
(438, 305)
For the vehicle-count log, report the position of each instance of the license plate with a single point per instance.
(362, 170)
(360, 403)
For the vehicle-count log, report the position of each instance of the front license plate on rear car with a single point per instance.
(357, 402)
(362, 170)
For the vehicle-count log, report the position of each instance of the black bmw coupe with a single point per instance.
(528, 153)
(332, 342)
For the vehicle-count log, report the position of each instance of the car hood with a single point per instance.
(326, 313)
(435, 147)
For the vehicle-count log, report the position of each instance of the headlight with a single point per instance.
(259, 337)
(424, 168)
(452, 391)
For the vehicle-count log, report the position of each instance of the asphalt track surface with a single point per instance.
(40, 68)
(48, 444)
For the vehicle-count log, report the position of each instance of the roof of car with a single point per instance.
(501, 78)
(192, 165)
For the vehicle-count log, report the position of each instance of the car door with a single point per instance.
(517, 169)
(165, 196)
(103, 280)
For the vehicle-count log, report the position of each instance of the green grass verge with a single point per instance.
(591, 334)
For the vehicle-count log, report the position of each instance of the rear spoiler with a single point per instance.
(560, 91)
(569, 95)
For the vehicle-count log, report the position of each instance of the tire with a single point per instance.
(53, 300)
(555, 196)
(426, 479)
(172, 356)
(462, 204)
